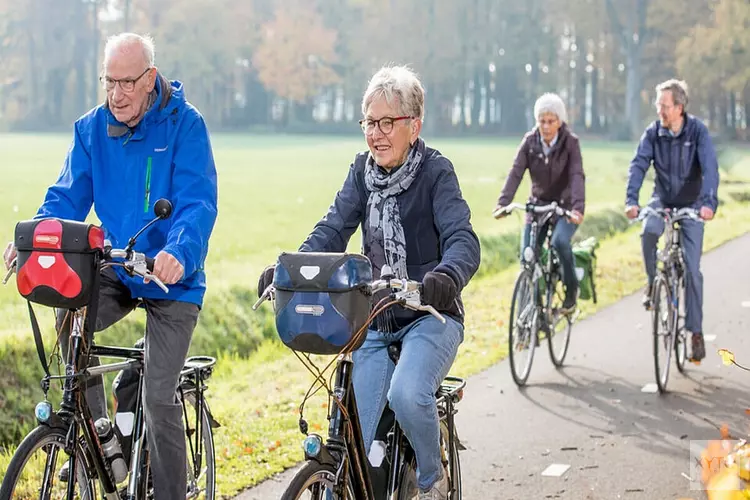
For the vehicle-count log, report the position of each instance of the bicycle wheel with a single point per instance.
(29, 474)
(681, 340)
(315, 481)
(201, 460)
(560, 325)
(663, 328)
(408, 488)
(522, 328)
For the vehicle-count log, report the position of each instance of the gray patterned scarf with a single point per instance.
(385, 242)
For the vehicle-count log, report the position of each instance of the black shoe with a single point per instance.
(647, 299)
(569, 304)
(699, 348)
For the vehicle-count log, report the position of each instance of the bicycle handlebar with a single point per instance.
(533, 208)
(669, 214)
(408, 293)
(133, 262)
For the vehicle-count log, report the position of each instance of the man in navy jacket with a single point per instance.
(687, 175)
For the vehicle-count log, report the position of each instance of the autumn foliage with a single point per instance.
(296, 52)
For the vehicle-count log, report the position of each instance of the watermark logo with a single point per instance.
(719, 465)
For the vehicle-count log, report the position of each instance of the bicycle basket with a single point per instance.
(57, 261)
(322, 300)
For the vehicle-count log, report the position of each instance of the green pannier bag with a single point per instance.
(585, 264)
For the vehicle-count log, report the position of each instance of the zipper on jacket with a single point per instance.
(147, 195)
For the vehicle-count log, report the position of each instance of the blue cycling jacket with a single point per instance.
(123, 171)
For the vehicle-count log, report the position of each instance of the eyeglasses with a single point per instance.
(126, 84)
(549, 122)
(385, 124)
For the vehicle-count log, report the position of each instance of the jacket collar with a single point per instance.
(157, 101)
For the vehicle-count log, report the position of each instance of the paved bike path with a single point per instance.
(593, 417)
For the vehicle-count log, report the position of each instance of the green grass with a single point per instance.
(272, 190)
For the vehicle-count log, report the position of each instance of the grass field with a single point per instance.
(272, 190)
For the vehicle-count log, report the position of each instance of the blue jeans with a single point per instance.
(427, 353)
(562, 235)
(692, 248)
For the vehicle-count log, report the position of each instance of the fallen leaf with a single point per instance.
(727, 357)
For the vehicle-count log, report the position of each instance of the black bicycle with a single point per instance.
(668, 294)
(94, 449)
(339, 468)
(538, 296)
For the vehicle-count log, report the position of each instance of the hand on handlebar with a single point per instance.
(500, 211)
(438, 290)
(706, 213)
(9, 256)
(632, 211)
(167, 268)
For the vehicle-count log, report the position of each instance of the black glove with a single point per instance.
(438, 290)
(266, 278)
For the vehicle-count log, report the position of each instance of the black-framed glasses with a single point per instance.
(385, 124)
(126, 84)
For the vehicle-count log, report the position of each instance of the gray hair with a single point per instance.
(400, 83)
(116, 42)
(679, 90)
(550, 103)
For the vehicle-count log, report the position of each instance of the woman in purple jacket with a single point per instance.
(552, 155)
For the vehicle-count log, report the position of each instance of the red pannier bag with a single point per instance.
(58, 261)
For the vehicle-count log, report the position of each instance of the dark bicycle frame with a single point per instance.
(341, 448)
(670, 268)
(552, 257)
(75, 415)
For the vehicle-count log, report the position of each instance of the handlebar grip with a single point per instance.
(150, 264)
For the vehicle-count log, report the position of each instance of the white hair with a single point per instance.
(550, 103)
(396, 82)
(116, 42)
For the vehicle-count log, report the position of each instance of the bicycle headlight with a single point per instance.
(312, 445)
(43, 411)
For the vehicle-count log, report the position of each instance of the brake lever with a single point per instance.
(413, 300)
(141, 269)
(11, 270)
(266, 294)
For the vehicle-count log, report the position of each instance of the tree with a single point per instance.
(296, 54)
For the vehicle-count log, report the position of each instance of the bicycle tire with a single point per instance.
(39, 437)
(661, 367)
(524, 277)
(681, 339)
(310, 474)
(209, 456)
(557, 356)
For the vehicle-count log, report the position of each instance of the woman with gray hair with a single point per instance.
(552, 155)
(406, 198)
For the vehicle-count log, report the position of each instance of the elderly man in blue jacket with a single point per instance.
(144, 143)
(687, 175)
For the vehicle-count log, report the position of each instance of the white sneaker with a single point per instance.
(439, 490)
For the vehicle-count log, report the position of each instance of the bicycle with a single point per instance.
(668, 312)
(95, 448)
(339, 468)
(531, 312)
